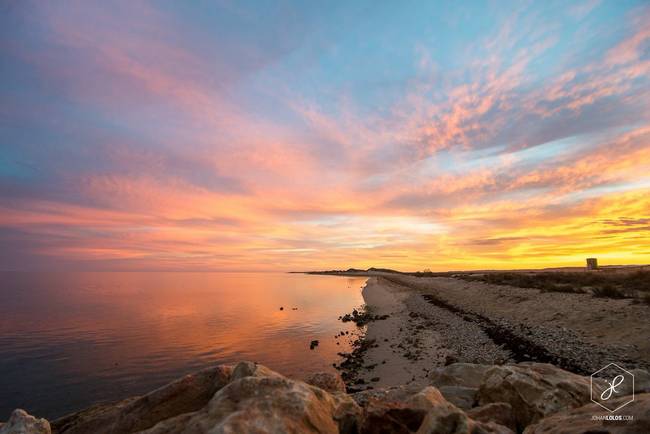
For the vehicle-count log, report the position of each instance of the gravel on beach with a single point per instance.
(430, 326)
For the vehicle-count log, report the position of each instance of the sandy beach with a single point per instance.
(436, 321)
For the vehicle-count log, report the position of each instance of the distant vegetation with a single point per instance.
(603, 283)
(600, 284)
(349, 271)
(357, 271)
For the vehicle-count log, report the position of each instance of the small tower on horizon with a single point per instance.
(592, 264)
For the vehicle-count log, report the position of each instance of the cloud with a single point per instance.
(148, 137)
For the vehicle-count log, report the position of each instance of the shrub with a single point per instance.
(646, 299)
(562, 287)
(608, 291)
(607, 283)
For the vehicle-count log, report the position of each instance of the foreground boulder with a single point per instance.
(187, 394)
(404, 410)
(533, 390)
(245, 398)
(498, 412)
(461, 397)
(250, 398)
(588, 419)
(459, 382)
(459, 374)
(641, 382)
(330, 382)
(20, 422)
(268, 405)
(251, 369)
(399, 409)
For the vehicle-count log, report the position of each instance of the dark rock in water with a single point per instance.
(353, 362)
(313, 344)
(361, 318)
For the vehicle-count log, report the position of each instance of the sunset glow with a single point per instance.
(307, 135)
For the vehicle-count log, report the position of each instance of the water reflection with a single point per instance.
(68, 340)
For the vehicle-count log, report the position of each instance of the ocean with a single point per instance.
(71, 340)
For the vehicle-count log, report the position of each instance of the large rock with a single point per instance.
(267, 404)
(398, 409)
(403, 409)
(461, 397)
(458, 423)
(445, 418)
(394, 394)
(641, 380)
(250, 398)
(187, 394)
(21, 422)
(459, 382)
(497, 412)
(586, 419)
(328, 381)
(534, 390)
(252, 369)
(459, 375)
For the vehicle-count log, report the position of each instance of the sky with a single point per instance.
(299, 135)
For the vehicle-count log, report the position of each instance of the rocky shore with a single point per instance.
(532, 398)
(432, 322)
(577, 332)
(435, 358)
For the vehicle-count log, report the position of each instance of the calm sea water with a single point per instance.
(69, 340)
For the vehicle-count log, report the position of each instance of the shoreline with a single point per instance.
(433, 322)
(389, 351)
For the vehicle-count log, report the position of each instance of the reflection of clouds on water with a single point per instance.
(90, 343)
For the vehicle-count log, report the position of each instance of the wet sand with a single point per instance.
(401, 356)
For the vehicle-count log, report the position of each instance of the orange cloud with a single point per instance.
(170, 163)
